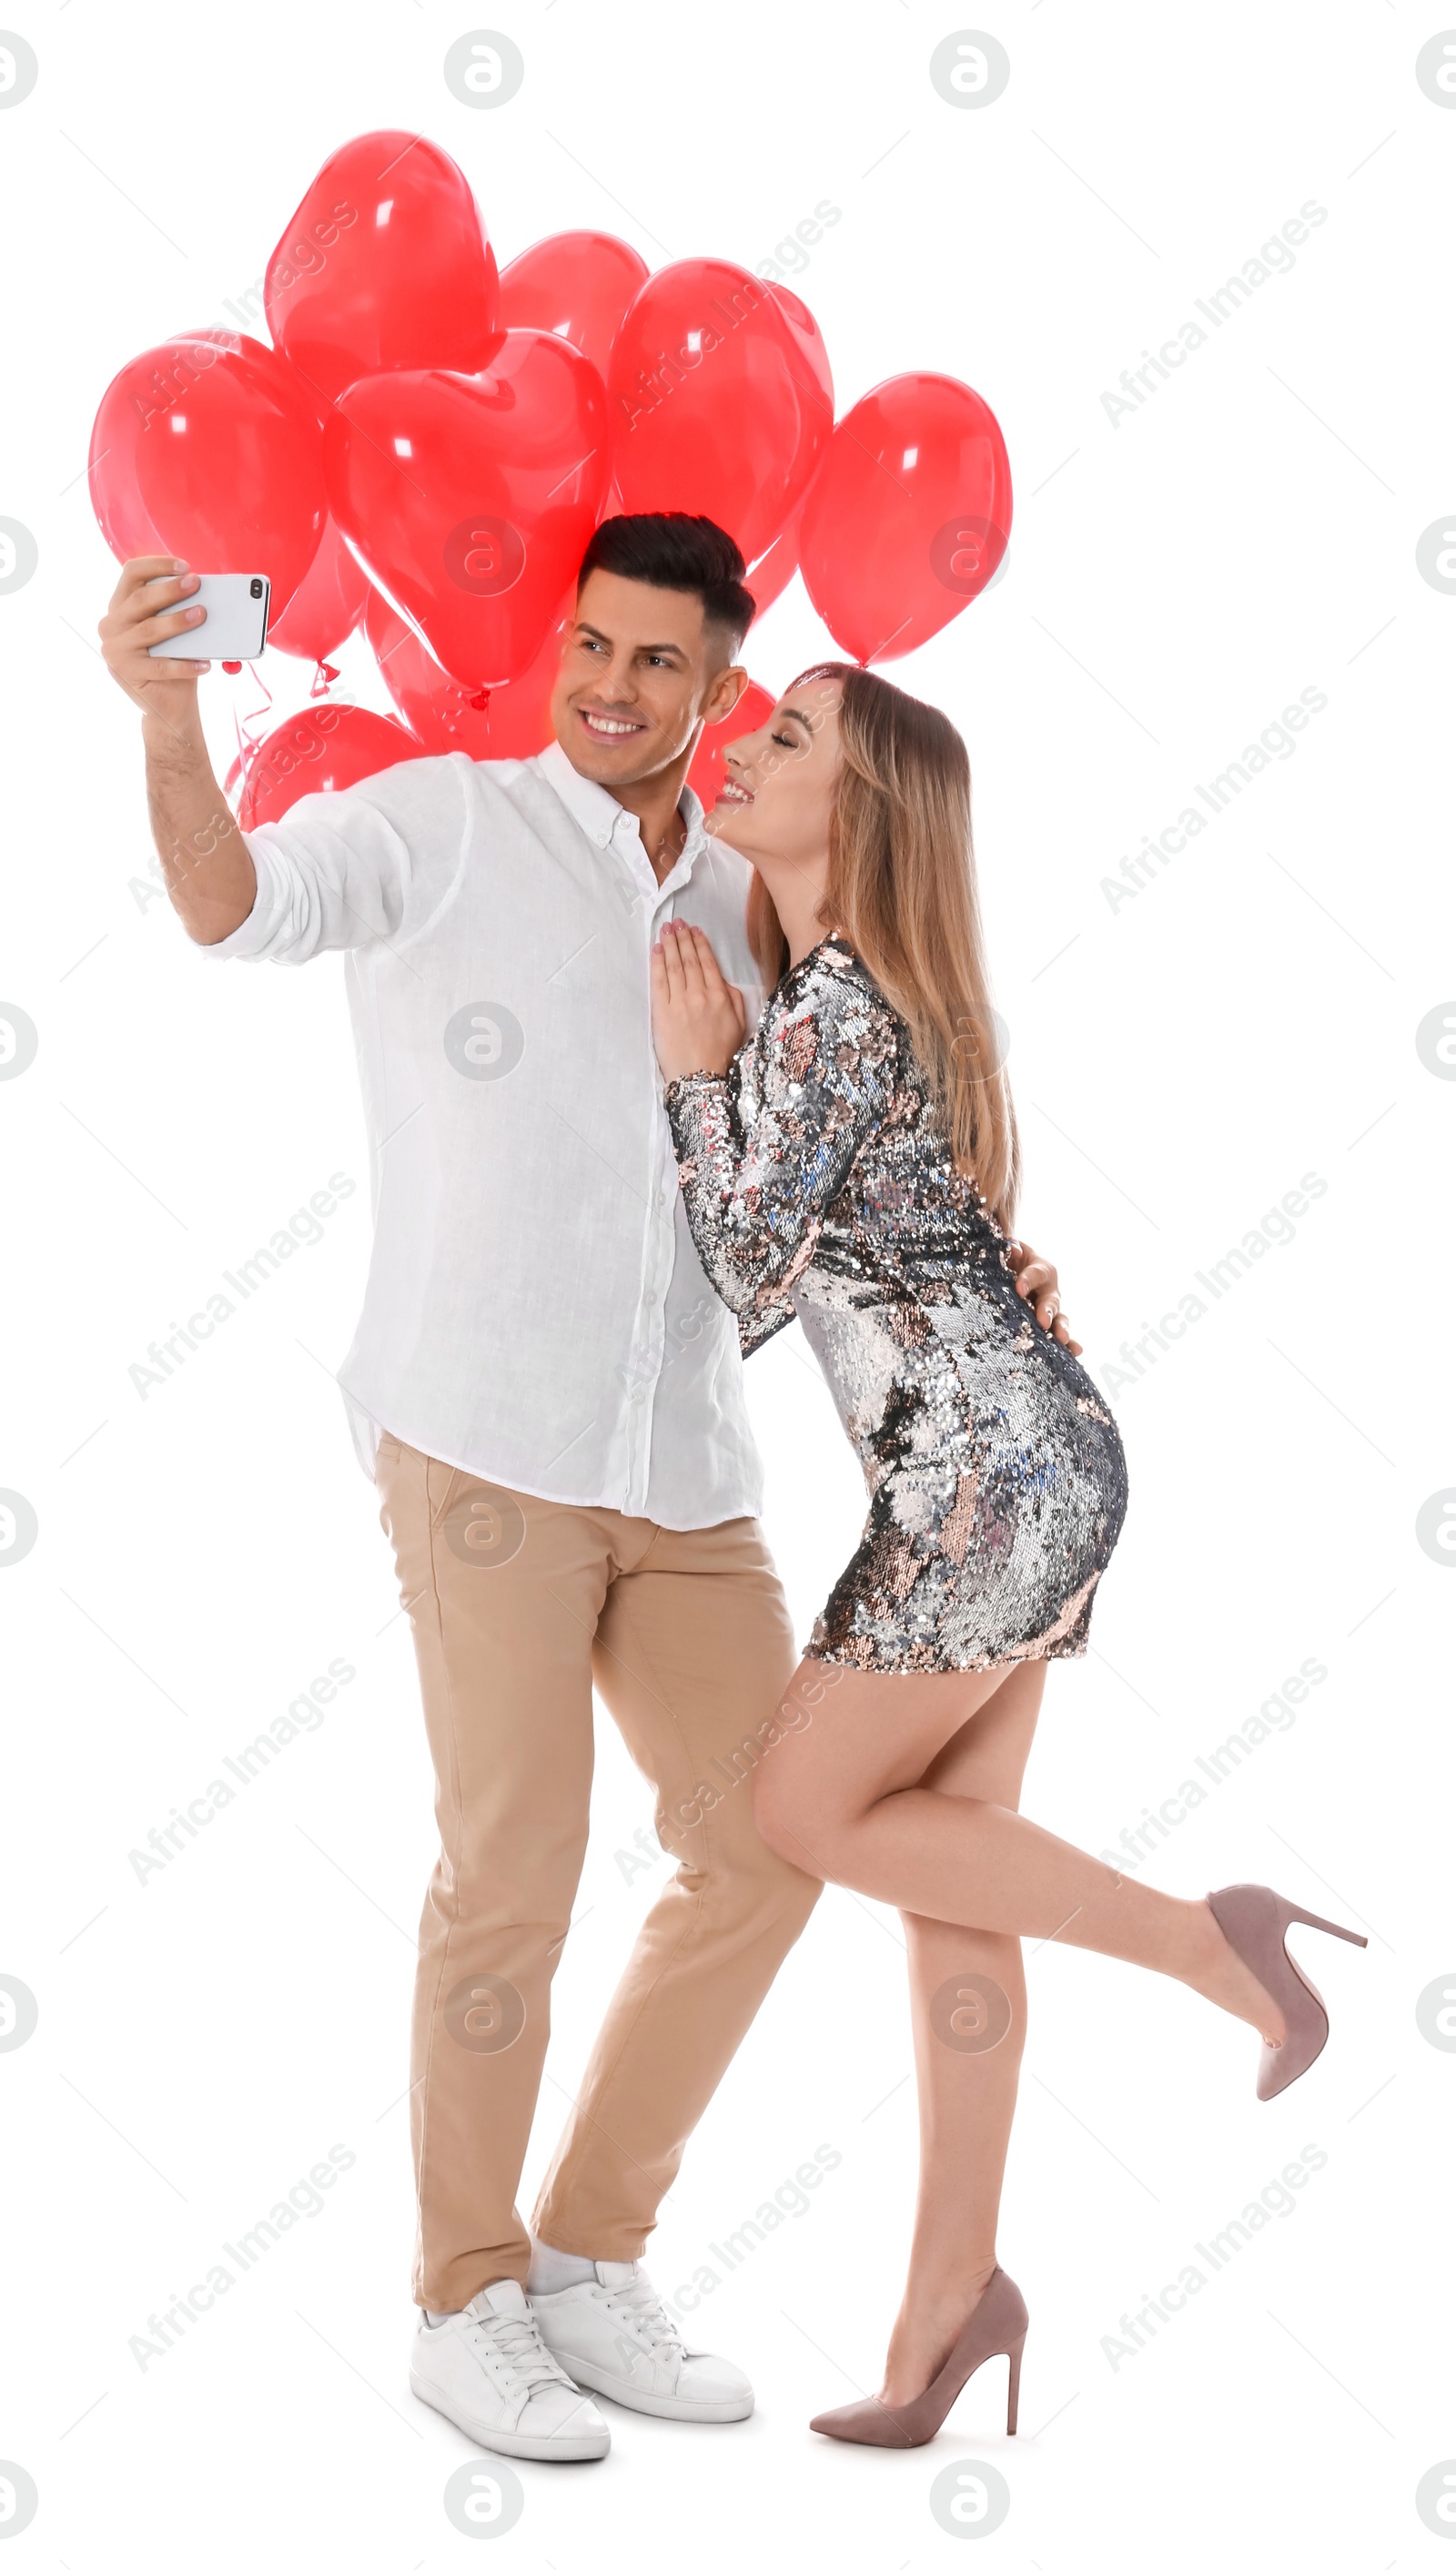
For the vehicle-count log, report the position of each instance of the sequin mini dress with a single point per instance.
(818, 1184)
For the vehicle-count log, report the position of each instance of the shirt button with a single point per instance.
(638, 1395)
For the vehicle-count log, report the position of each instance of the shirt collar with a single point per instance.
(600, 814)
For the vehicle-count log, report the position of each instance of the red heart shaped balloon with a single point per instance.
(206, 447)
(115, 500)
(770, 574)
(706, 772)
(721, 399)
(318, 752)
(384, 263)
(470, 499)
(515, 721)
(576, 286)
(909, 515)
(326, 604)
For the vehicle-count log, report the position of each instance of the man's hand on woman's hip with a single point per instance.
(1036, 1279)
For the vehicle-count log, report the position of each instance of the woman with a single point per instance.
(856, 1164)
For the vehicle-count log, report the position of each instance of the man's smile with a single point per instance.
(605, 726)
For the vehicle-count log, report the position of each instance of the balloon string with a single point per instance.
(247, 745)
(244, 752)
(323, 679)
(259, 711)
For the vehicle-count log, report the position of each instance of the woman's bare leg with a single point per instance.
(842, 1798)
(967, 2087)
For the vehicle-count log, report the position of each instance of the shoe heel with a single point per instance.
(1013, 2384)
(1307, 1918)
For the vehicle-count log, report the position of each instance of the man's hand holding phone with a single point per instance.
(209, 874)
(154, 599)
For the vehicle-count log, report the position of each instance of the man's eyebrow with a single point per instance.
(596, 631)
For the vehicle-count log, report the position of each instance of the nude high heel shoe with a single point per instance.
(997, 2326)
(1254, 1921)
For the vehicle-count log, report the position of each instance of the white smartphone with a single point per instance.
(236, 625)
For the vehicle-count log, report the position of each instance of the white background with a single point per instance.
(1179, 1062)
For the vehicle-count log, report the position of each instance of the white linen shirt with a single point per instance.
(535, 1312)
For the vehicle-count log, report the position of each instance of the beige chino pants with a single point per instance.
(518, 1605)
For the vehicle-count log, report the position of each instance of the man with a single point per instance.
(549, 1396)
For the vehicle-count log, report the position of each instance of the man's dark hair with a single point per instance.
(674, 551)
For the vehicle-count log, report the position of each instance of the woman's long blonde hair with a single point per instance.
(902, 890)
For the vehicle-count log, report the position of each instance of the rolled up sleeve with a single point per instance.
(353, 869)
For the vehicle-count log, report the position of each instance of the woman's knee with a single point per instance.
(738, 1868)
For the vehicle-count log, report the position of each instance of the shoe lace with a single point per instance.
(515, 2339)
(638, 2301)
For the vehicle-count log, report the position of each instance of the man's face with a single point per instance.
(639, 677)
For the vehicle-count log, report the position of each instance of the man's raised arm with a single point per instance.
(209, 874)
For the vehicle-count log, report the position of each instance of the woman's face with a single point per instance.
(776, 804)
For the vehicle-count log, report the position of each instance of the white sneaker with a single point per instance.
(486, 2369)
(614, 2336)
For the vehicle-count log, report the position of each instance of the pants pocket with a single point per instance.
(386, 1454)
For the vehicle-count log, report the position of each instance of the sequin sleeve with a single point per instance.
(756, 1327)
(764, 1149)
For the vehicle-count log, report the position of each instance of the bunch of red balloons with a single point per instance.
(428, 445)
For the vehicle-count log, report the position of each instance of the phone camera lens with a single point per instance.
(254, 589)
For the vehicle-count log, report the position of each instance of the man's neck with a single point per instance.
(654, 802)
